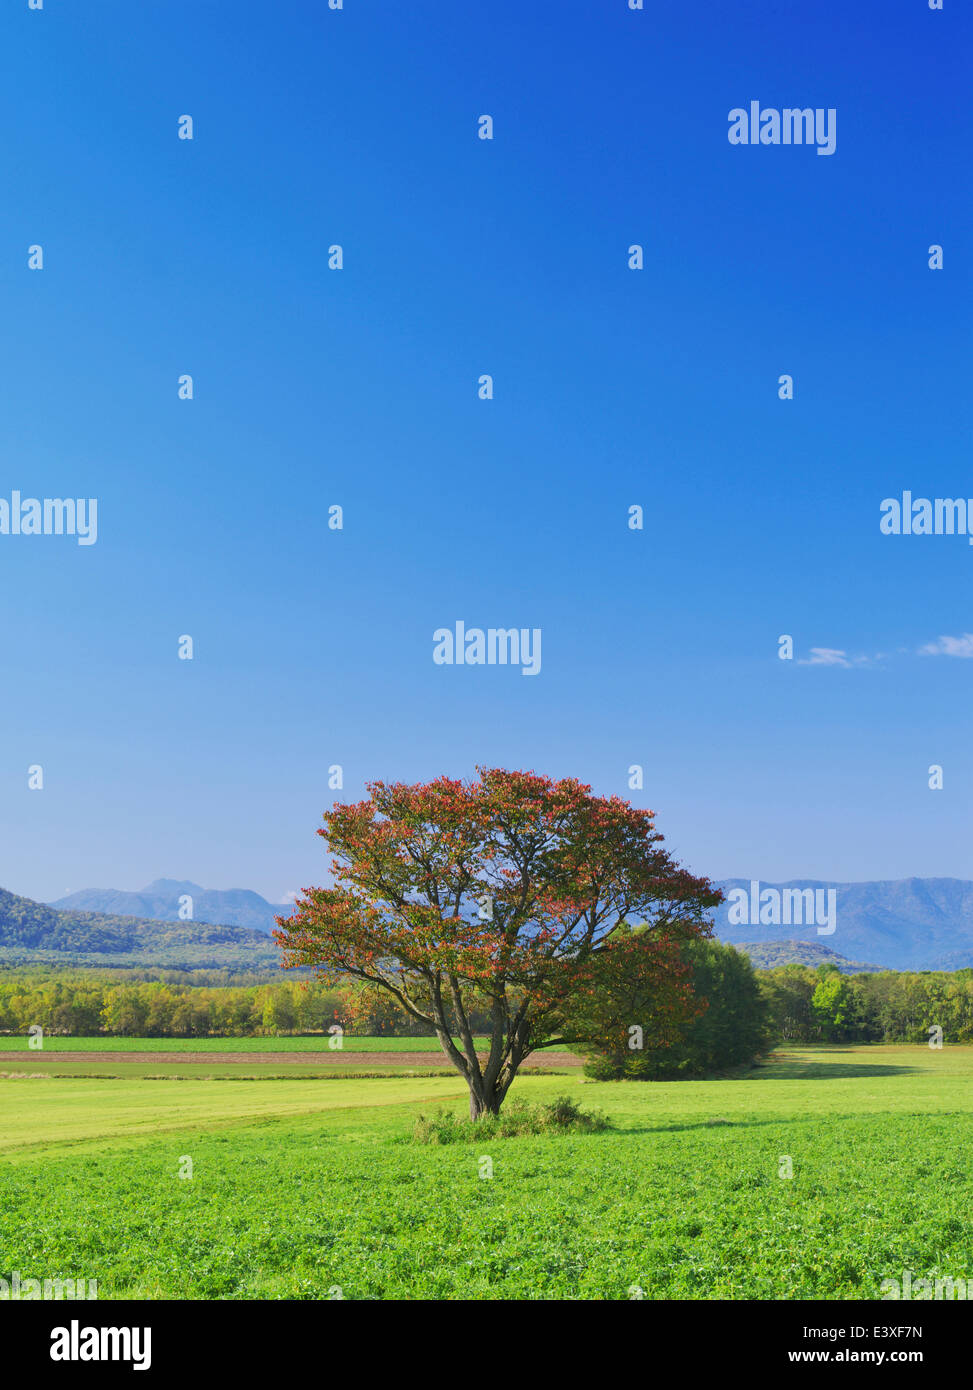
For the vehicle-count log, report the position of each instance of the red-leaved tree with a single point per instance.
(500, 893)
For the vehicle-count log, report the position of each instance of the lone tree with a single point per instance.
(501, 893)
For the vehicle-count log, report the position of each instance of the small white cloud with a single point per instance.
(825, 656)
(949, 646)
(291, 896)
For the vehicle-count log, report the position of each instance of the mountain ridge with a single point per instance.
(768, 955)
(37, 932)
(899, 924)
(892, 924)
(163, 900)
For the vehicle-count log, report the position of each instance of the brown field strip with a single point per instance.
(367, 1061)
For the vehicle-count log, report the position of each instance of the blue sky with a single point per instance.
(358, 387)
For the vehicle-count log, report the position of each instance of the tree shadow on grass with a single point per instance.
(687, 1126)
(747, 1122)
(794, 1070)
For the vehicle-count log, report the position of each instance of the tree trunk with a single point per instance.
(483, 1103)
(489, 1086)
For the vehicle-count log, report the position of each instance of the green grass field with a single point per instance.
(300, 1187)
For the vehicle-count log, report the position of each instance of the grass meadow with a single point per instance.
(302, 1186)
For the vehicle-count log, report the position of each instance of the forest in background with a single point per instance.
(803, 1005)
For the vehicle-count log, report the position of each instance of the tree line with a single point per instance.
(86, 1007)
(806, 1005)
(746, 1011)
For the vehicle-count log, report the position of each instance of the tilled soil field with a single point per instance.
(368, 1061)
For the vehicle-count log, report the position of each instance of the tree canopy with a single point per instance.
(501, 893)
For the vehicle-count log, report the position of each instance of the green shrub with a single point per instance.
(603, 1067)
(730, 1032)
(561, 1116)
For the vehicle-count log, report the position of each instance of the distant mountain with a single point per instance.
(33, 932)
(769, 954)
(895, 924)
(164, 899)
(902, 924)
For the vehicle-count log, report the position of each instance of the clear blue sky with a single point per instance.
(358, 387)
